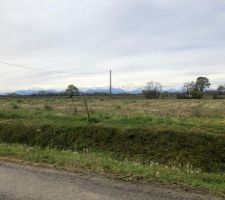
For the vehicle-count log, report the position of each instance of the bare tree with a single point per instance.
(189, 87)
(152, 90)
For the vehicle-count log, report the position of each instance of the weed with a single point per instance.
(14, 106)
(48, 107)
(118, 107)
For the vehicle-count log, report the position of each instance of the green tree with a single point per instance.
(72, 91)
(221, 89)
(202, 83)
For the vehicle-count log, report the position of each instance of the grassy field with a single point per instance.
(169, 140)
(202, 115)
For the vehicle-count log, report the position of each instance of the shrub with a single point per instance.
(182, 96)
(216, 96)
(196, 94)
(15, 106)
(151, 94)
(47, 107)
(19, 100)
(118, 107)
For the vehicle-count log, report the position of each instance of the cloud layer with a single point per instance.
(168, 41)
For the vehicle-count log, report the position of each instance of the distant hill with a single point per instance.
(37, 91)
(86, 91)
(83, 90)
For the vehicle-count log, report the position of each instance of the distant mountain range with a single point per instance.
(83, 90)
(37, 91)
(114, 90)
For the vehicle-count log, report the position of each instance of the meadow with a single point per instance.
(205, 115)
(169, 140)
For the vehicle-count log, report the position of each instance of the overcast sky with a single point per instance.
(170, 41)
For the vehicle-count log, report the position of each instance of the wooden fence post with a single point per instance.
(87, 111)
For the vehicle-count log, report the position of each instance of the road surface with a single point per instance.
(19, 182)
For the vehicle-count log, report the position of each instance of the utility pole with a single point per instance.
(110, 83)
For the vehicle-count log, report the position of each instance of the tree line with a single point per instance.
(153, 90)
(191, 90)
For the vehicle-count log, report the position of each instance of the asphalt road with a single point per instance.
(19, 182)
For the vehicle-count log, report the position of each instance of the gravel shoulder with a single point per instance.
(19, 182)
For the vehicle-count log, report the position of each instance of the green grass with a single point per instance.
(189, 130)
(165, 146)
(205, 115)
(104, 163)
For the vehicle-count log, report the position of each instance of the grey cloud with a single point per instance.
(160, 36)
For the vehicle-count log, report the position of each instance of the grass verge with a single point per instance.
(164, 146)
(103, 163)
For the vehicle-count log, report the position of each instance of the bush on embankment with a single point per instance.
(204, 151)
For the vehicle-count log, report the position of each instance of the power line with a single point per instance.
(51, 71)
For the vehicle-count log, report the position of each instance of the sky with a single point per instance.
(169, 41)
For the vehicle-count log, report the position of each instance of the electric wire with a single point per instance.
(51, 71)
